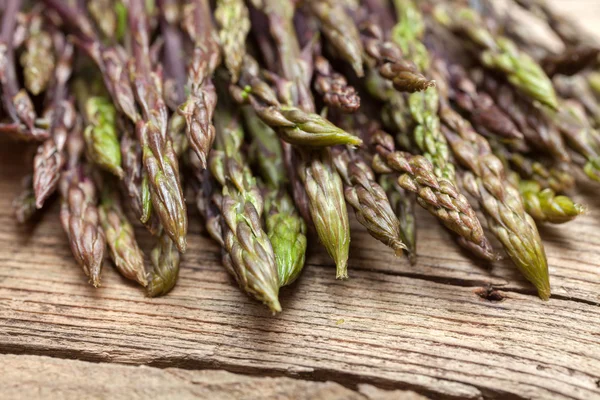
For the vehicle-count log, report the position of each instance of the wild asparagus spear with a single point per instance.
(388, 59)
(437, 195)
(174, 64)
(327, 206)
(291, 124)
(200, 105)
(248, 253)
(24, 202)
(290, 63)
(165, 261)
(573, 123)
(483, 112)
(334, 88)
(100, 135)
(135, 182)
(500, 201)
(284, 226)
(159, 158)
(105, 15)
(287, 232)
(369, 200)
(423, 106)
(500, 53)
(579, 88)
(403, 205)
(234, 22)
(545, 206)
(38, 58)
(322, 191)
(340, 31)
(79, 214)
(124, 250)
(570, 62)
(559, 177)
(538, 129)
(17, 103)
(409, 31)
(50, 156)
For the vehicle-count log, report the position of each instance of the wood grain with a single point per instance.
(74, 380)
(447, 327)
(424, 328)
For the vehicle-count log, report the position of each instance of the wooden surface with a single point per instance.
(446, 328)
(75, 380)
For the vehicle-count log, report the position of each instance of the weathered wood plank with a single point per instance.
(35, 377)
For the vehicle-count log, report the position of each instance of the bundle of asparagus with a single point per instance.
(278, 129)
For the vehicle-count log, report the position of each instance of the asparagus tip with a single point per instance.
(181, 244)
(274, 305)
(398, 247)
(341, 270)
(95, 279)
(544, 291)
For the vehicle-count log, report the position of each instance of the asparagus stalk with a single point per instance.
(403, 206)
(573, 124)
(292, 124)
(499, 200)
(537, 128)
(287, 232)
(545, 206)
(284, 226)
(483, 112)
(423, 106)
(579, 88)
(559, 178)
(409, 31)
(387, 57)
(50, 157)
(334, 88)
(165, 261)
(158, 155)
(437, 195)
(233, 19)
(340, 31)
(248, 253)
(200, 104)
(24, 203)
(324, 188)
(369, 200)
(38, 58)
(290, 64)
(100, 135)
(570, 62)
(135, 182)
(17, 103)
(124, 250)
(500, 54)
(79, 214)
(175, 73)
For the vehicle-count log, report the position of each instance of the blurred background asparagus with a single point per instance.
(270, 113)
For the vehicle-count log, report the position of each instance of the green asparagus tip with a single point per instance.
(274, 305)
(341, 271)
(181, 244)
